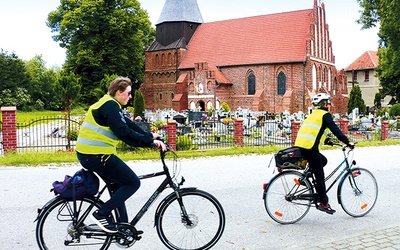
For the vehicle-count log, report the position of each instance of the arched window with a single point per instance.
(251, 84)
(281, 83)
(314, 77)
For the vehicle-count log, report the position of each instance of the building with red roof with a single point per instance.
(271, 63)
(362, 72)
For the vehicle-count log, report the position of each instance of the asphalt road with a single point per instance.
(237, 183)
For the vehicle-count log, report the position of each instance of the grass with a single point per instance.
(25, 117)
(45, 158)
(28, 116)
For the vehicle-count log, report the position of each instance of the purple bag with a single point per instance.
(83, 184)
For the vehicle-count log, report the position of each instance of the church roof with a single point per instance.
(368, 60)
(272, 38)
(180, 10)
(180, 43)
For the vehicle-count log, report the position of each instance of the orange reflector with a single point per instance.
(297, 182)
(278, 214)
(356, 173)
(364, 206)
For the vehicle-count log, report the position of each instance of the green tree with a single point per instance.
(386, 13)
(43, 86)
(102, 37)
(70, 89)
(138, 104)
(356, 101)
(12, 72)
(395, 110)
(103, 86)
(18, 97)
(378, 100)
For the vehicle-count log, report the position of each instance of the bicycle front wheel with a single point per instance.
(358, 192)
(55, 228)
(203, 227)
(287, 199)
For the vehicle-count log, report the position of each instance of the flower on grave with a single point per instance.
(227, 120)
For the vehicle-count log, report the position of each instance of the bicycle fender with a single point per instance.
(41, 210)
(168, 198)
(342, 180)
(273, 178)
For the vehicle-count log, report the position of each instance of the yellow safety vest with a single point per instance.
(310, 129)
(94, 138)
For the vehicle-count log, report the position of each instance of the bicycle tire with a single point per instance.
(280, 197)
(358, 192)
(205, 212)
(54, 226)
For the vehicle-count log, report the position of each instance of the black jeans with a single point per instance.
(317, 163)
(113, 170)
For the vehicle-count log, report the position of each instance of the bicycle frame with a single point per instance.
(165, 183)
(346, 168)
(344, 165)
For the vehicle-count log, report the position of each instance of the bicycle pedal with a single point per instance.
(138, 234)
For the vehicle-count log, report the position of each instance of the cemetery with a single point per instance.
(197, 130)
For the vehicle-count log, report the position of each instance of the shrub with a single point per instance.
(73, 135)
(225, 107)
(185, 142)
(395, 110)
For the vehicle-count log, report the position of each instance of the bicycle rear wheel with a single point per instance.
(358, 192)
(281, 197)
(206, 215)
(55, 230)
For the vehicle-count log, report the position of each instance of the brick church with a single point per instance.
(271, 63)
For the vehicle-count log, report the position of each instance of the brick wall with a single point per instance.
(9, 116)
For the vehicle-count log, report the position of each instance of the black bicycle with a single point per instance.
(188, 218)
(289, 195)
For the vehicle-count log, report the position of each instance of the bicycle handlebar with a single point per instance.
(344, 146)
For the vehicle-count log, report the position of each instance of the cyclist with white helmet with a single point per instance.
(311, 135)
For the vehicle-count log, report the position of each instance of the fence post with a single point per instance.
(344, 125)
(9, 117)
(238, 132)
(171, 132)
(295, 129)
(385, 130)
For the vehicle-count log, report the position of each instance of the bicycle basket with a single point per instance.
(290, 158)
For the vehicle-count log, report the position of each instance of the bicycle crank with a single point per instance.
(127, 235)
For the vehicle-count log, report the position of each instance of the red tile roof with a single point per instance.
(219, 76)
(368, 60)
(270, 38)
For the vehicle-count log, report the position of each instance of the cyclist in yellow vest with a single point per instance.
(103, 127)
(311, 135)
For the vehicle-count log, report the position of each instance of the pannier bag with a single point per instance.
(290, 158)
(83, 184)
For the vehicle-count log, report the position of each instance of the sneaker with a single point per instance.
(325, 208)
(104, 222)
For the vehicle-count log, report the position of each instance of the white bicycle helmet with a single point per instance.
(320, 99)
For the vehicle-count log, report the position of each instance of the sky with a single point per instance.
(23, 27)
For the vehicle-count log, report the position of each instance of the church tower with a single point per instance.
(178, 19)
(175, 27)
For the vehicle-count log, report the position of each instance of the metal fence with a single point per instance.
(60, 133)
(49, 133)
